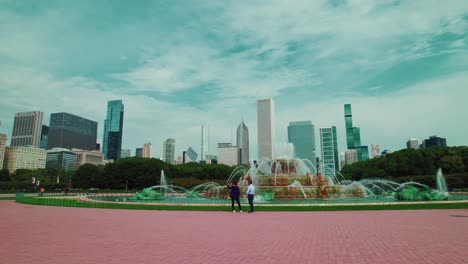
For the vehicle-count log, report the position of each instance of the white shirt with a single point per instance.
(250, 190)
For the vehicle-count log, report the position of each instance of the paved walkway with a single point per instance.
(41, 234)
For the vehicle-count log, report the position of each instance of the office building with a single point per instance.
(205, 142)
(21, 157)
(113, 128)
(301, 134)
(59, 158)
(434, 141)
(242, 141)
(169, 151)
(329, 149)
(94, 157)
(139, 152)
(27, 129)
(125, 153)
(353, 135)
(375, 150)
(266, 128)
(228, 154)
(189, 155)
(179, 160)
(350, 156)
(147, 150)
(3, 141)
(44, 137)
(71, 131)
(412, 143)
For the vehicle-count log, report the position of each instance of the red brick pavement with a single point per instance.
(41, 234)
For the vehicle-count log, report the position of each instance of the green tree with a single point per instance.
(452, 164)
(4, 175)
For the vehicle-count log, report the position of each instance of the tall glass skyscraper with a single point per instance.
(242, 141)
(169, 151)
(353, 135)
(301, 135)
(27, 129)
(266, 128)
(113, 128)
(329, 148)
(71, 131)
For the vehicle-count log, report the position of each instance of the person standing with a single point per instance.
(235, 195)
(250, 195)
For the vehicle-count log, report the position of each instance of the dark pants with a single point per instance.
(238, 203)
(250, 197)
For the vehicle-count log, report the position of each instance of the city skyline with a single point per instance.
(404, 76)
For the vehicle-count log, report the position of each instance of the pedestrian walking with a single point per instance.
(250, 195)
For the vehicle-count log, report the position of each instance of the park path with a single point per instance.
(42, 234)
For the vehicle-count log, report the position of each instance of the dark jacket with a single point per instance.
(235, 192)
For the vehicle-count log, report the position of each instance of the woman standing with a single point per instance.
(235, 195)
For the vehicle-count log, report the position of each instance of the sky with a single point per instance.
(403, 65)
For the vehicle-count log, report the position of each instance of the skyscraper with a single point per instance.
(190, 155)
(71, 131)
(20, 157)
(113, 128)
(61, 159)
(350, 156)
(228, 154)
(27, 129)
(3, 140)
(329, 148)
(139, 152)
(375, 150)
(435, 141)
(125, 153)
(242, 142)
(147, 150)
(266, 128)
(301, 135)
(412, 143)
(169, 151)
(205, 142)
(353, 135)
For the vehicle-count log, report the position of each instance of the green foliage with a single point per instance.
(412, 193)
(4, 175)
(410, 162)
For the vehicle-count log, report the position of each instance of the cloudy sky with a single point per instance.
(403, 65)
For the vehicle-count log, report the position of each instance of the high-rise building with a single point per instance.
(58, 158)
(301, 134)
(242, 141)
(169, 151)
(375, 150)
(125, 153)
(353, 135)
(94, 157)
(113, 128)
(71, 131)
(179, 160)
(139, 152)
(20, 157)
(44, 137)
(190, 156)
(412, 143)
(205, 142)
(228, 154)
(350, 156)
(27, 129)
(3, 140)
(147, 150)
(435, 141)
(329, 147)
(266, 128)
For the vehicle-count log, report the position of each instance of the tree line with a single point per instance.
(129, 173)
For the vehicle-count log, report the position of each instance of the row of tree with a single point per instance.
(131, 173)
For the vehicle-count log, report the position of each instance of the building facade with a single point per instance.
(301, 134)
(205, 142)
(20, 157)
(94, 157)
(147, 150)
(190, 155)
(242, 141)
(375, 150)
(228, 154)
(3, 141)
(353, 135)
(412, 143)
(266, 128)
(329, 150)
(435, 141)
(139, 152)
(58, 158)
(71, 131)
(169, 151)
(44, 137)
(113, 129)
(350, 156)
(27, 129)
(125, 153)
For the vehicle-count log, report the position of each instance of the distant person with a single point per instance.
(235, 195)
(250, 195)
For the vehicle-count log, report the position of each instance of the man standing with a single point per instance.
(250, 195)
